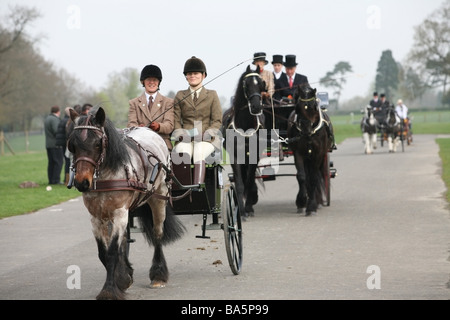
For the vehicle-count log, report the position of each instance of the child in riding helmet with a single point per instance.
(198, 118)
(152, 109)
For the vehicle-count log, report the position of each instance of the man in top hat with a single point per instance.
(375, 102)
(259, 59)
(290, 79)
(277, 63)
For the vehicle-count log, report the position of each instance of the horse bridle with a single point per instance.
(321, 122)
(257, 94)
(101, 133)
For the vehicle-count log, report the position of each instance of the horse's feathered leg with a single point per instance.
(160, 227)
(110, 235)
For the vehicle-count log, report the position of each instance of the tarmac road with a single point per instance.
(386, 235)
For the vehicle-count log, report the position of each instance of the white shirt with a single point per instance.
(402, 111)
(198, 92)
(277, 75)
(148, 96)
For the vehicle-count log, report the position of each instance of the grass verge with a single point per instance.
(28, 167)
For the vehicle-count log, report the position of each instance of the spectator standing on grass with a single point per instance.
(54, 153)
(61, 141)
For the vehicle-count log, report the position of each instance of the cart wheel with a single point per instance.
(232, 228)
(326, 180)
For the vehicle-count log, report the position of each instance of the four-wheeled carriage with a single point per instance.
(214, 199)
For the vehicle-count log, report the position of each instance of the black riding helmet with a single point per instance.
(194, 64)
(151, 71)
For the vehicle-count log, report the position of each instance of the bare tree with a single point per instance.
(430, 54)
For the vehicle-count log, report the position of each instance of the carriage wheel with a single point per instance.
(232, 228)
(326, 180)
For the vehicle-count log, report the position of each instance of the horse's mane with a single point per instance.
(117, 154)
(239, 96)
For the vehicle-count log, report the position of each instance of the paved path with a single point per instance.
(387, 212)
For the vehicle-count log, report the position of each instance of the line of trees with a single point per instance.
(30, 85)
(427, 66)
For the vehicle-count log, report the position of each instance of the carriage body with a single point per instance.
(215, 199)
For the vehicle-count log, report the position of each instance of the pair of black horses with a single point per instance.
(309, 137)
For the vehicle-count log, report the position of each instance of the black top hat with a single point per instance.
(277, 58)
(260, 56)
(290, 61)
(375, 94)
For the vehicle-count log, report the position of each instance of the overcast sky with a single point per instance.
(92, 39)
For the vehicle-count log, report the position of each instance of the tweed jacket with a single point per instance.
(139, 114)
(207, 113)
(282, 85)
(268, 77)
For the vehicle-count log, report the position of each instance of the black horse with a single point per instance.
(241, 130)
(393, 128)
(310, 137)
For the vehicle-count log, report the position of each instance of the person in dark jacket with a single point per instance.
(289, 80)
(54, 153)
(61, 141)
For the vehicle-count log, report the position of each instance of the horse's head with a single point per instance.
(88, 143)
(253, 85)
(306, 107)
(391, 116)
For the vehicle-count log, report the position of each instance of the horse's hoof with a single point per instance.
(299, 210)
(108, 295)
(311, 213)
(156, 284)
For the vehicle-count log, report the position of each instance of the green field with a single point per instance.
(30, 162)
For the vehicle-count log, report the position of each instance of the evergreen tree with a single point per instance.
(386, 80)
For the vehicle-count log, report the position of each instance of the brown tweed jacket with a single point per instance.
(207, 110)
(139, 115)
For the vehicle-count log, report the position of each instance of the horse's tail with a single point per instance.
(173, 228)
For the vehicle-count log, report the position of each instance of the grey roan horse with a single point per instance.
(119, 171)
